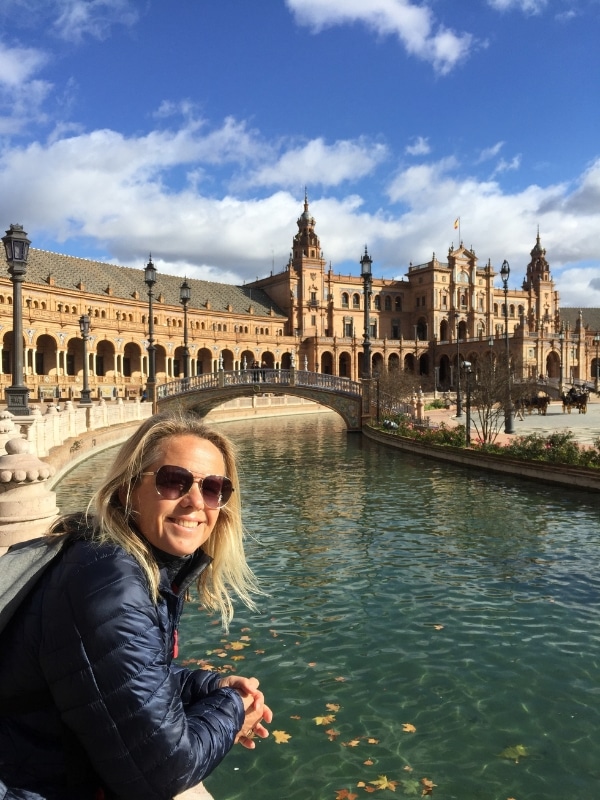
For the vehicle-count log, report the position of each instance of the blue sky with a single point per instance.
(190, 129)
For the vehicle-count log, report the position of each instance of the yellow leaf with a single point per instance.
(427, 785)
(408, 728)
(383, 783)
(281, 737)
(373, 741)
(369, 762)
(352, 743)
(238, 645)
(327, 720)
(332, 706)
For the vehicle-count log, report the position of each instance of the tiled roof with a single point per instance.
(590, 317)
(106, 280)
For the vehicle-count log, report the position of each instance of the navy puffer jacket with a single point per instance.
(89, 697)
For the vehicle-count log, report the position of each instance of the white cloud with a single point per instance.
(18, 64)
(117, 192)
(490, 152)
(414, 25)
(79, 18)
(318, 163)
(420, 147)
(527, 6)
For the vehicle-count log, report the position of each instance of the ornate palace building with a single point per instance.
(305, 315)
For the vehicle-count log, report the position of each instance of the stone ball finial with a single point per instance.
(20, 466)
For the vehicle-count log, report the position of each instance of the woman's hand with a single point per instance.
(254, 706)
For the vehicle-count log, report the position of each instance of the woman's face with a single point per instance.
(181, 526)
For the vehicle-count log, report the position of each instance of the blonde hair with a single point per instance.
(229, 572)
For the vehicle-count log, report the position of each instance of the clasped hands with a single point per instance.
(254, 706)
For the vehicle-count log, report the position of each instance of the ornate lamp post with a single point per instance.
(508, 416)
(84, 327)
(468, 373)
(365, 270)
(150, 280)
(184, 298)
(561, 339)
(597, 343)
(458, 392)
(16, 245)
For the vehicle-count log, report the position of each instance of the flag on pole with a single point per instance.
(456, 223)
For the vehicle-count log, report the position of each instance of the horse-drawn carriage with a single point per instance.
(575, 398)
(538, 402)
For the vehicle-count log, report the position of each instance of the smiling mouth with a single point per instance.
(186, 523)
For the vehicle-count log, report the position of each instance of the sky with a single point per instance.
(191, 130)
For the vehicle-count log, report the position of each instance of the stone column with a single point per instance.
(27, 506)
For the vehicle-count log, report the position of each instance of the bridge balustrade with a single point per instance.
(258, 376)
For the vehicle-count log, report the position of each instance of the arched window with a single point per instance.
(398, 304)
(378, 302)
(388, 303)
(345, 300)
(355, 301)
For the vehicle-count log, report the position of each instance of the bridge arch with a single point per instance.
(202, 393)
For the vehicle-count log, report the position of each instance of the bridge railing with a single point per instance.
(258, 376)
(332, 382)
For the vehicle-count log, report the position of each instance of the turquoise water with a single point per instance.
(406, 592)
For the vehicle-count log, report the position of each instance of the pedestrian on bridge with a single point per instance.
(93, 705)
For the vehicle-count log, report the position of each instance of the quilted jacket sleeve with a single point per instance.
(150, 730)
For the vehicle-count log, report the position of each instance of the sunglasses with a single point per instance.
(175, 482)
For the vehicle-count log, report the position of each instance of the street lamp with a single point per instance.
(597, 343)
(184, 298)
(150, 280)
(561, 339)
(508, 417)
(84, 327)
(458, 392)
(16, 245)
(468, 372)
(365, 269)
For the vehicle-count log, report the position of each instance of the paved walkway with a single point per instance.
(585, 427)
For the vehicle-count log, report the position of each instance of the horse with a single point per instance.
(575, 399)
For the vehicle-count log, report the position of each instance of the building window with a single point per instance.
(313, 320)
(378, 302)
(395, 332)
(70, 364)
(398, 304)
(388, 303)
(348, 329)
(345, 300)
(355, 301)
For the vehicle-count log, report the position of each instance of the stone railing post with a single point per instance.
(27, 505)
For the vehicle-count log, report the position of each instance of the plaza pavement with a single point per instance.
(585, 427)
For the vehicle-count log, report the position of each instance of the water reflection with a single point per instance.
(403, 590)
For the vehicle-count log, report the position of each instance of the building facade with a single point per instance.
(438, 314)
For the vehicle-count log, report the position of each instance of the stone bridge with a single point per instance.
(201, 393)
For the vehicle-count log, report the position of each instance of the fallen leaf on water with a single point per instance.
(345, 794)
(408, 728)
(383, 783)
(427, 785)
(332, 706)
(281, 737)
(515, 753)
(326, 720)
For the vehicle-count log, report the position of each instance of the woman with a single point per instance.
(92, 705)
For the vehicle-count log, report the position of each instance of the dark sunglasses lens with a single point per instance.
(173, 482)
(216, 490)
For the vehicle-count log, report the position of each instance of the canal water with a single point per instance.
(423, 625)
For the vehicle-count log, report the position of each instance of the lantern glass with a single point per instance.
(150, 274)
(184, 292)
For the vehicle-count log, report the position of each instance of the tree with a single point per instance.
(488, 399)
